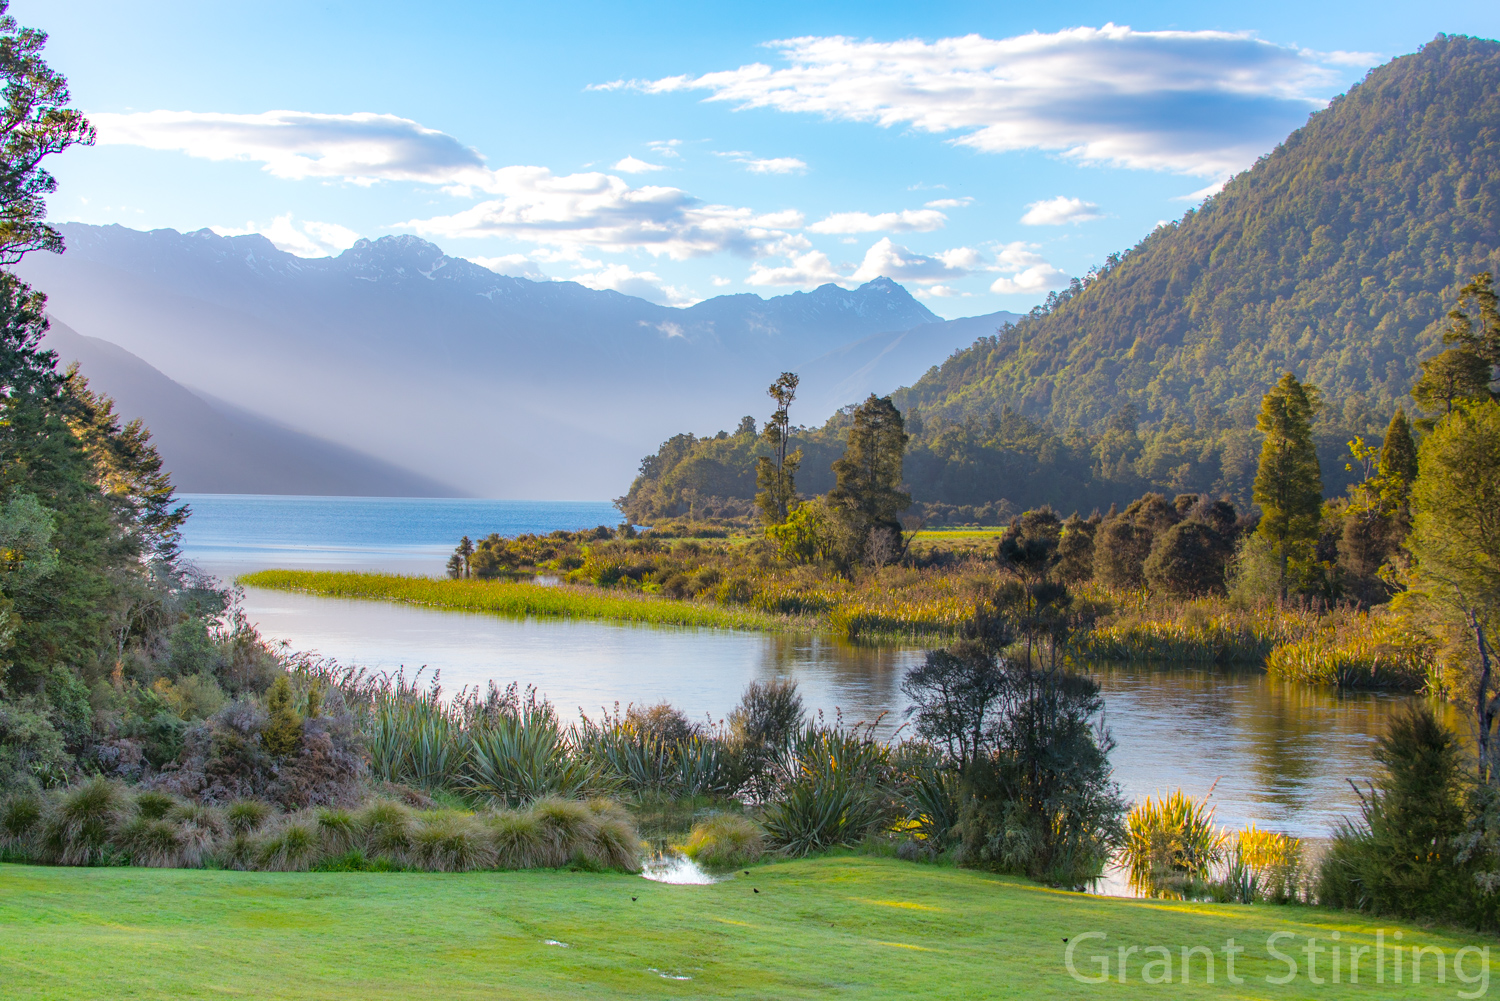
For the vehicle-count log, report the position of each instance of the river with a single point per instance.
(1276, 755)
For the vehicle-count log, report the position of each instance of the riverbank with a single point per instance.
(842, 927)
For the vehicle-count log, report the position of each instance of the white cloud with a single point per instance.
(776, 165)
(602, 211)
(811, 268)
(951, 203)
(665, 147)
(717, 282)
(1202, 193)
(940, 292)
(757, 165)
(1195, 102)
(644, 284)
(630, 165)
(891, 260)
(907, 221)
(305, 239)
(1027, 270)
(362, 147)
(514, 265)
(1059, 210)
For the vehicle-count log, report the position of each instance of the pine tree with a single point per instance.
(282, 734)
(775, 475)
(867, 495)
(1289, 481)
(1398, 463)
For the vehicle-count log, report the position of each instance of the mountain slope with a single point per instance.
(211, 449)
(1336, 256)
(502, 386)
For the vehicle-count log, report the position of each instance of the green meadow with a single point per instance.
(853, 926)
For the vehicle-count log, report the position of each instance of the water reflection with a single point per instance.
(1281, 755)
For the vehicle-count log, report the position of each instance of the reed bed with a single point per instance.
(1366, 652)
(1173, 849)
(521, 599)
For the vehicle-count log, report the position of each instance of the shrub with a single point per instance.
(768, 716)
(1402, 856)
(1171, 841)
(725, 841)
(78, 828)
(520, 758)
(832, 791)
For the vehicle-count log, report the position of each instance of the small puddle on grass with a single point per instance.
(678, 869)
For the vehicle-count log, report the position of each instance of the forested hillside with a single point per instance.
(1337, 257)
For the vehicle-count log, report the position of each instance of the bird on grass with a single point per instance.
(753, 888)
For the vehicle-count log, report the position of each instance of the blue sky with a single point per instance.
(978, 153)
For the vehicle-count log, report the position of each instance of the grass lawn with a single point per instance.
(853, 927)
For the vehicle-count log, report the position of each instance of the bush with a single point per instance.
(290, 845)
(246, 816)
(768, 716)
(1402, 856)
(1171, 841)
(833, 789)
(725, 841)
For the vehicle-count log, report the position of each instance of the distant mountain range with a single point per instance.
(427, 374)
(214, 447)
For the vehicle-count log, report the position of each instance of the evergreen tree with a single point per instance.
(867, 495)
(282, 734)
(1398, 463)
(1289, 481)
(775, 474)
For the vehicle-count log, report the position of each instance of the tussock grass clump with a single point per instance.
(387, 830)
(20, 824)
(567, 826)
(293, 845)
(245, 816)
(451, 842)
(78, 828)
(152, 842)
(725, 841)
(338, 831)
(519, 840)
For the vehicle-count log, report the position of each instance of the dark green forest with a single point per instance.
(1336, 257)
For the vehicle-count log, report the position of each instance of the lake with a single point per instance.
(1281, 754)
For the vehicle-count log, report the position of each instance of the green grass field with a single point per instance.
(854, 927)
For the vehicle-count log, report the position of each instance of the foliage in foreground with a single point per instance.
(102, 822)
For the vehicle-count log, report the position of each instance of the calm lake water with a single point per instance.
(1280, 754)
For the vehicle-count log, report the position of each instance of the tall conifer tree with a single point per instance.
(1289, 481)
